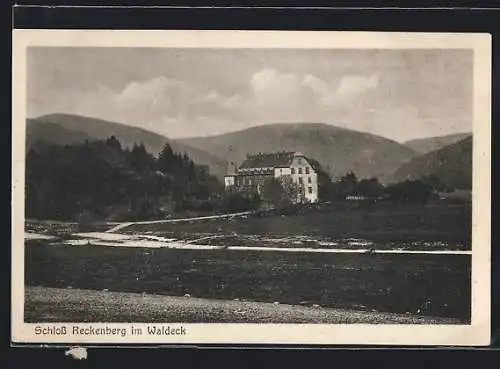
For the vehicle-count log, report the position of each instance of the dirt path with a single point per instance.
(72, 305)
(161, 221)
(111, 239)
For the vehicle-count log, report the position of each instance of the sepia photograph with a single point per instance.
(245, 182)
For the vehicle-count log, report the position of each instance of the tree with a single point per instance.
(234, 202)
(409, 191)
(272, 192)
(166, 159)
(282, 192)
(348, 184)
(293, 193)
(435, 183)
(114, 143)
(370, 188)
(140, 159)
(324, 181)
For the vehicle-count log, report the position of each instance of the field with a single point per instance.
(429, 285)
(373, 258)
(384, 224)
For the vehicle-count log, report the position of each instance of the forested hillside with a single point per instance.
(103, 180)
(339, 150)
(64, 129)
(452, 165)
(425, 145)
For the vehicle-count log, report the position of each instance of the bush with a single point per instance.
(237, 202)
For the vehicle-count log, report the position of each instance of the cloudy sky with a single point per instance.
(399, 94)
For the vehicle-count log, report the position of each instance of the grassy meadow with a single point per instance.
(420, 285)
(432, 285)
(377, 222)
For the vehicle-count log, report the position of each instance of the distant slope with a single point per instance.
(425, 145)
(52, 133)
(452, 165)
(339, 150)
(67, 129)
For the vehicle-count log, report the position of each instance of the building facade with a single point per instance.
(256, 168)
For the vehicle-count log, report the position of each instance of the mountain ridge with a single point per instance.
(428, 144)
(338, 149)
(452, 164)
(78, 128)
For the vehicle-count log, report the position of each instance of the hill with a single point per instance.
(425, 145)
(52, 133)
(69, 129)
(339, 150)
(452, 165)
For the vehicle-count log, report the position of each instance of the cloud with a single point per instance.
(271, 87)
(168, 106)
(211, 96)
(187, 92)
(356, 84)
(350, 88)
(216, 100)
(135, 91)
(177, 108)
(318, 86)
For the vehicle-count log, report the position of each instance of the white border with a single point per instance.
(478, 333)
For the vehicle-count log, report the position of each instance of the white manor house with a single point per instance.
(256, 168)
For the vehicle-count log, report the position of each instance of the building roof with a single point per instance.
(269, 160)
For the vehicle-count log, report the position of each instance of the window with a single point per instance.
(307, 170)
(300, 180)
(309, 180)
(293, 170)
(300, 170)
(310, 190)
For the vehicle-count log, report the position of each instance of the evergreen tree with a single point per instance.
(166, 159)
(140, 159)
(114, 143)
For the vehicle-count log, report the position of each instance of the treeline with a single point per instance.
(102, 180)
(283, 193)
(349, 186)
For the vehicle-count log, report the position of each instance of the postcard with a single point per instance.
(251, 187)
